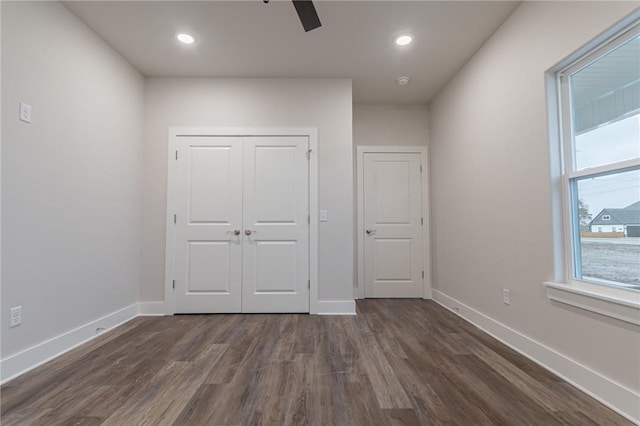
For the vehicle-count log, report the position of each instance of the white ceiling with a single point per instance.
(253, 39)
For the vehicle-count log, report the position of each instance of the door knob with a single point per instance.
(248, 232)
(371, 231)
(234, 232)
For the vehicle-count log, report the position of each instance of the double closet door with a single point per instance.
(241, 225)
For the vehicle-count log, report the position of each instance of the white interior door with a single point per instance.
(241, 225)
(208, 254)
(275, 220)
(393, 225)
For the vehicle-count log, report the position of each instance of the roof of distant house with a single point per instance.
(629, 215)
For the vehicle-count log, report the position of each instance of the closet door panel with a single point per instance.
(275, 220)
(208, 257)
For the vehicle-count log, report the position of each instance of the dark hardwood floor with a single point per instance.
(399, 362)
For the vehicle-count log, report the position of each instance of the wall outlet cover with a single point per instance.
(15, 318)
(25, 112)
(506, 297)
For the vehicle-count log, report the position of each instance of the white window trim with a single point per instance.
(613, 301)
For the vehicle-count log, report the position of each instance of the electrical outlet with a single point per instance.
(15, 318)
(506, 297)
(25, 112)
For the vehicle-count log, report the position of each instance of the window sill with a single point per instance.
(619, 303)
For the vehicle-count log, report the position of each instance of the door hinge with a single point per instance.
(309, 284)
(176, 154)
(174, 284)
(309, 219)
(309, 154)
(420, 168)
(175, 218)
(422, 221)
(423, 275)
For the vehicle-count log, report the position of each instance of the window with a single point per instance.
(593, 100)
(600, 136)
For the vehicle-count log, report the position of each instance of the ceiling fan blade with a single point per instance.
(307, 14)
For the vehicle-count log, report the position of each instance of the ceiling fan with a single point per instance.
(307, 14)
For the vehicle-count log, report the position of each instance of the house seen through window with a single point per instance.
(600, 119)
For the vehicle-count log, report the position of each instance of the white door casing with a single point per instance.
(393, 223)
(224, 180)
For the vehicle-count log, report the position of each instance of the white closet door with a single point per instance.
(276, 232)
(393, 231)
(208, 256)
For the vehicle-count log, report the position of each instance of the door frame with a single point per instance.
(358, 291)
(175, 132)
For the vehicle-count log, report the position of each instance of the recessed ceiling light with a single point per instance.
(185, 38)
(403, 39)
(402, 80)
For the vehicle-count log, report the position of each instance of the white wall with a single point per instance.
(325, 104)
(71, 179)
(607, 228)
(489, 157)
(388, 124)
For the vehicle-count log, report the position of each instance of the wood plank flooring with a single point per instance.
(399, 362)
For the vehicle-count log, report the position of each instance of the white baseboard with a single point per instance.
(614, 395)
(336, 307)
(151, 309)
(30, 358)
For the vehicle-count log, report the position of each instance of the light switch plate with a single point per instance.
(25, 112)
(323, 215)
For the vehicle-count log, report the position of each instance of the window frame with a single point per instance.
(601, 297)
(570, 174)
